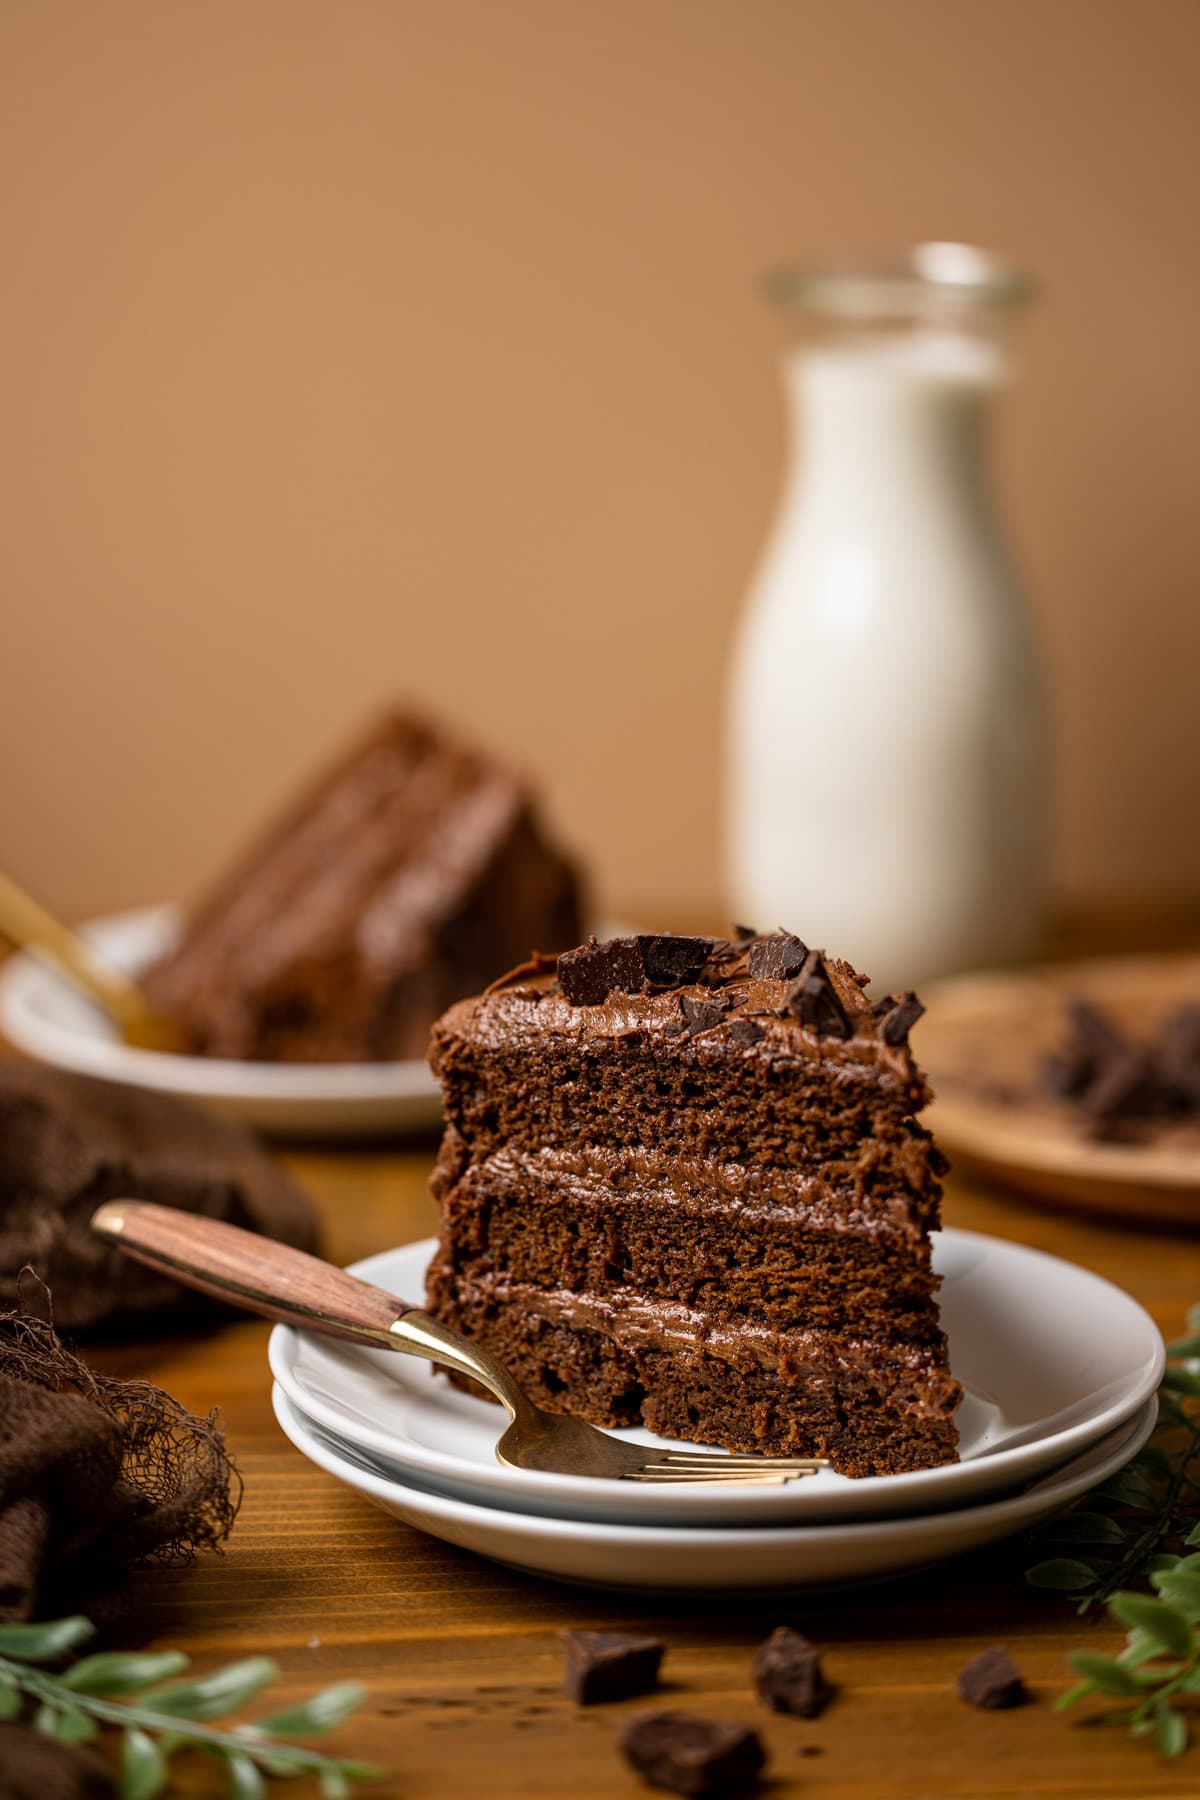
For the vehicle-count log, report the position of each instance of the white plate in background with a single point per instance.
(1053, 1358)
(666, 1559)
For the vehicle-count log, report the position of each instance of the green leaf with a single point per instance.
(1154, 1459)
(1084, 1528)
(360, 1771)
(1170, 1730)
(1157, 1620)
(1193, 1536)
(331, 1707)
(1179, 1589)
(214, 1695)
(1193, 1317)
(1103, 1673)
(1179, 1380)
(333, 1785)
(1183, 1347)
(10, 1698)
(245, 1782)
(43, 1643)
(123, 1671)
(1128, 1488)
(75, 1726)
(1063, 1573)
(143, 1767)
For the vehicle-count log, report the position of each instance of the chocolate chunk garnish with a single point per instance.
(813, 1001)
(609, 1665)
(670, 960)
(690, 1755)
(742, 934)
(629, 965)
(788, 1675)
(898, 1013)
(702, 1014)
(776, 958)
(993, 1680)
(745, 1031)
(587, 976)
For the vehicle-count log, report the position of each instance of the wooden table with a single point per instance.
(461, 1657)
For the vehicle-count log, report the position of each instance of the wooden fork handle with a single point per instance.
(250, 1271)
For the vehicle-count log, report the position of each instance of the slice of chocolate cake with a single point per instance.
(409, 875)
(682, 1182)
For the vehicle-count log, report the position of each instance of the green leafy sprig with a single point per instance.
(169, 1715)
(1136, 1524)
(1142, 1525)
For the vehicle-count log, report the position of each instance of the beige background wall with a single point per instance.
(360, 348)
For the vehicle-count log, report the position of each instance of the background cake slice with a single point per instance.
(410, 874)
(683, 1183)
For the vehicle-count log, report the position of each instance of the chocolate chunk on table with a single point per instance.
(992, 1680)
(609, 1665)
(788, 1675)
(690, 1755)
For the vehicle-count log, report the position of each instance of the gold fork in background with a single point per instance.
(28, 924)
(264, 1277)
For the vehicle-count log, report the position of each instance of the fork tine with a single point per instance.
(712, 1478)
(680, 1459)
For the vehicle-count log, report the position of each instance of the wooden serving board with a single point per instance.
(983, 1042)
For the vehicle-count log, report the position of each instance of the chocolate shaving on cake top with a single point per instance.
(597, 971)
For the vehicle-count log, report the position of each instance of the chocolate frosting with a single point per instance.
(764, 995)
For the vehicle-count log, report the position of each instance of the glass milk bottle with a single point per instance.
(886, 776)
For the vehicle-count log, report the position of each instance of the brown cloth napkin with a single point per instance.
(68, 1142)
(96, 1476)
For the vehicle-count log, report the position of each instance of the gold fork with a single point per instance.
(26, 921)
(281, 1283)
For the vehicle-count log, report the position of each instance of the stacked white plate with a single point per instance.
(1060, 1370)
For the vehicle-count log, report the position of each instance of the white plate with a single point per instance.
(1052, 1358)
(667, 1558)
(49, 1020)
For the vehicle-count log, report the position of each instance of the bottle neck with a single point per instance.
(907, 419)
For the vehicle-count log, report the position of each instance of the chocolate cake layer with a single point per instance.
(871, 1404)
(682, 1181)
(408, 875)
(600, 1221)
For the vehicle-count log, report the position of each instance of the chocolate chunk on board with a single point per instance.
(775, 958)
(690, 1755)
(609, 1665)
(992, 1680)
(813, 1001)
(789, 1677)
